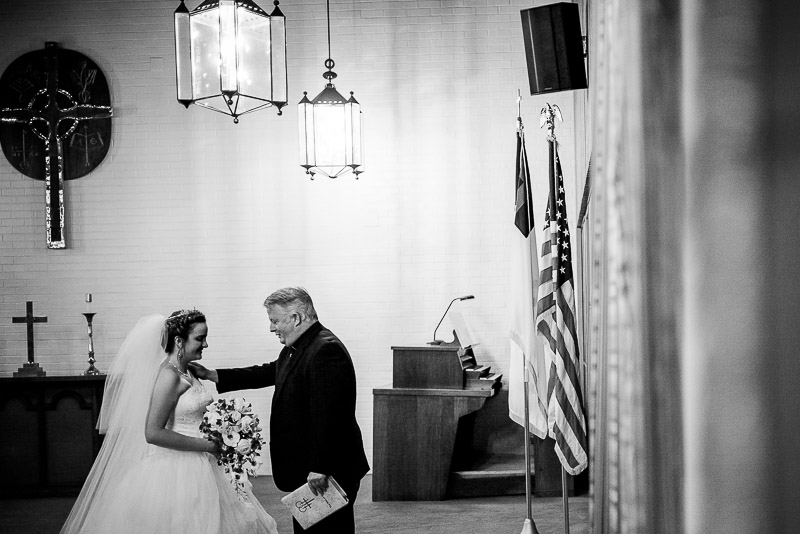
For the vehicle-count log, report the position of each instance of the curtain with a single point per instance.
(631, 268)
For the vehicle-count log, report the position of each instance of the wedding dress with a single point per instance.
(135, 487)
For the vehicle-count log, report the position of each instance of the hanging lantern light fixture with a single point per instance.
(331, 137)
(230, 57)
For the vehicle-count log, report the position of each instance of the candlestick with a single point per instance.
(92, 370)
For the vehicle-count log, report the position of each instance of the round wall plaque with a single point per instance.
(54, 102)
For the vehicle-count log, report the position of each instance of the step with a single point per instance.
(486, 483)
(500, 474)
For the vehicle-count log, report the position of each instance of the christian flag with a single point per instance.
(527, 351)
(556, 324)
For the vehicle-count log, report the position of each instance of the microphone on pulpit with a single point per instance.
(439, 341)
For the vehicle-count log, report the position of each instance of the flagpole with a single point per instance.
(548, 118)
(564, 494)
(566, 499)
(529, 525)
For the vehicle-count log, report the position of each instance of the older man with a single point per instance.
(313, 430)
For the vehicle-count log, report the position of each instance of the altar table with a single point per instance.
(48, 440)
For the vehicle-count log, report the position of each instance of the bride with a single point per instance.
(155, 472)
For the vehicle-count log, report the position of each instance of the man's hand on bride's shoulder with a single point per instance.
(202, 372)
(198, 370)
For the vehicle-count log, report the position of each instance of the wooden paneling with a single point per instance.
(436, 367)
(49, 441)
(19, 443)
(414, 435)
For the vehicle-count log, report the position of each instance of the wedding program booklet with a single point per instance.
(309, 509)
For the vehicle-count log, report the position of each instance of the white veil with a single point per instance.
(126, 400)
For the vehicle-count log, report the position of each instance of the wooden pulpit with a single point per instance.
(416, 421)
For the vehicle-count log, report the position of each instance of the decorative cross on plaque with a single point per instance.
(30, 368)
(44, 97)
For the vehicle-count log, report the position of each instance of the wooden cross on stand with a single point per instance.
(49, 93)
(30, 368)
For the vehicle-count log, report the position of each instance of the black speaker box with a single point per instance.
(554, 48)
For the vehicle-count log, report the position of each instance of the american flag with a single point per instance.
(556, 324)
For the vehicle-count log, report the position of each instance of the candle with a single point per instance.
(88, 298)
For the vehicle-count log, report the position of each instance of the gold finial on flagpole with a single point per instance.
(547, 118)
(520, 127)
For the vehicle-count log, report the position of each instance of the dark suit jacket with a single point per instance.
(313, 422)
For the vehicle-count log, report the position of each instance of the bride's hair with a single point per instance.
(180, 323)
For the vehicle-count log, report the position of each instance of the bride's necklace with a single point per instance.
(185, 375)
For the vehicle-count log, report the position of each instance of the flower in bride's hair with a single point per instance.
(233, 425)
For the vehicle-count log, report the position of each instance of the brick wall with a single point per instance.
(189, 209)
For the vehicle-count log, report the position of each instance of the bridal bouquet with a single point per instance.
(232, 423)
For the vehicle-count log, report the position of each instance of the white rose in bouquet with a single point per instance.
(213, 418)
(243, 447)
